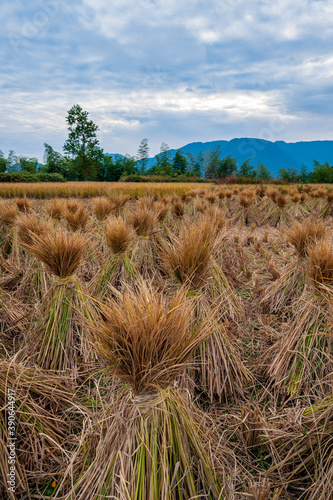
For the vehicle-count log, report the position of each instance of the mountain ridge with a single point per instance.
(274, 155)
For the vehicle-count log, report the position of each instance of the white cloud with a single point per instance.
(169, 70)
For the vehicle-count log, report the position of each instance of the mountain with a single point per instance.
(274, 155)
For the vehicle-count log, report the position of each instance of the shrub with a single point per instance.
(27, 177)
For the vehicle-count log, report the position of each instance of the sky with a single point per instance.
(173, 71)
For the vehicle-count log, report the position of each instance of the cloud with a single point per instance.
(168, 70)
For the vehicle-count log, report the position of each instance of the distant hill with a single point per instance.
(274, 155)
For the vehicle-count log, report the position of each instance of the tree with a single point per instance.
(27, 164)
(195, 164)
(289, 174)
(143, 155)
(55, 163)
(246, 169)
(212, 163)
(304, 175)
(179, 162)
(261, 172)
(164, 163)
(82, 144)
(3, 162)
(322, 173)
(129, 167)
(227, 167)
(11, 162)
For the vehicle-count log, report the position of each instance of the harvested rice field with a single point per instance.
(166, 342)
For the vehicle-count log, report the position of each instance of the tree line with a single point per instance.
(84, 160)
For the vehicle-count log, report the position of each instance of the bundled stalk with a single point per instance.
(55, 208)
(118, 201)
(23, 204)
(58, 341)
(102, 207)
(303, 362)
(159, 449)
(246, 213)
(8, 232)
(144, 221)
(326, 210)
(301, 441)
(115, 272)
(278, 213)
(303, 359)
(29, 432)
(33, 283)
(12, 320)
(220, 371)
(76, 217)
(297, 206)
(283, 295)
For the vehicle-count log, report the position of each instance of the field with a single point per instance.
(169, 342)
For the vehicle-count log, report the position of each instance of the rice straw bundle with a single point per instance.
(284, 293)
(119, 238)
(219, 369)
(58, 341)
(303, 361)
(38, 437)
(158, 449)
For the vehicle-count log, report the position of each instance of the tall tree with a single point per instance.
(143, 155)
(304, 175)
(261, 172)
(246, 169)
(227, 167)
(55, 163)
(164, 159)
(179, 162)
(212, 163)
(3, 162)
(82, 144)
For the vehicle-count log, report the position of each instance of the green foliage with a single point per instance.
(26, 164)
(195, 164)
(164, 160)
(113, 168)
(179, 163)
(304, 176)
(262, 172)
(82, 144)
(217, 167)
(213, 163)
(246, 169)
(322, 173)
(227, 167)
(133, 178)
(29, 177)
(289, 174)
(3, 162)
(55, 163)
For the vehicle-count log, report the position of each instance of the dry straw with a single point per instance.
(23, 204)
(118, 269)
(77, 219)
(188, 256)
(35, 398)
(160, 447)
(58, 341)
